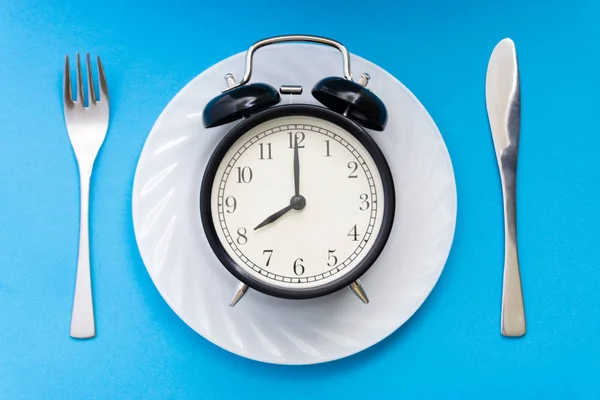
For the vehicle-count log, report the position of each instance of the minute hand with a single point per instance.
(296, 169)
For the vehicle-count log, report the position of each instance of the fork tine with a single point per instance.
(91, 91)
(80, 96)
(102, 80)
(67, 94)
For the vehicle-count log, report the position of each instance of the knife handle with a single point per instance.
(513, 309)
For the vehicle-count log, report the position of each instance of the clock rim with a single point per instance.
(285, 110)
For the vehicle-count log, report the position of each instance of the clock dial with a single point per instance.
(297, 202)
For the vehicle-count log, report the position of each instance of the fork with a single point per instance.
(86, 126)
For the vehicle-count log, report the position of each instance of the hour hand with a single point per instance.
(274, 217)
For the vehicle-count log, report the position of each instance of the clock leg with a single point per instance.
(240, 290)
(358, 290)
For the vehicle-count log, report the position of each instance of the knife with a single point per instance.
(503, 101)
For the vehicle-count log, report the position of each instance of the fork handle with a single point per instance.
(82, 317)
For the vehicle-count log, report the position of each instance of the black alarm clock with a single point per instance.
(297, 200)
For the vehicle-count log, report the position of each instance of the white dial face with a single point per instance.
(326, 230)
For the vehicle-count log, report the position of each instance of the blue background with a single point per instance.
(451, 348)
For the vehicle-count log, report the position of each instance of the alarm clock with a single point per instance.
(297, 200)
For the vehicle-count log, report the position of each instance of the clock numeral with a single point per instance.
(269, 257)
(327, 154)
(242, 238)
(332, 259)
(231, 202)
(353, 165)
(262, 151)
(365, 202)
(298, 268)
(353, 234)
(244, 174)
(299, 137)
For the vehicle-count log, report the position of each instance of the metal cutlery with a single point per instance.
(503, 101)
(87, 123)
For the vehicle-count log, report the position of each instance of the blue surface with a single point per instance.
(451, 348)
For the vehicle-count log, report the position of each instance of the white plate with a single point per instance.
(198, 288)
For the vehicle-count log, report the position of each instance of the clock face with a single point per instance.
(297, 202)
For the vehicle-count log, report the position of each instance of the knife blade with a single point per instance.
(503, 102)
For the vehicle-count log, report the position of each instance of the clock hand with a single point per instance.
(273, 217)
(296, 203)
(296, 168)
